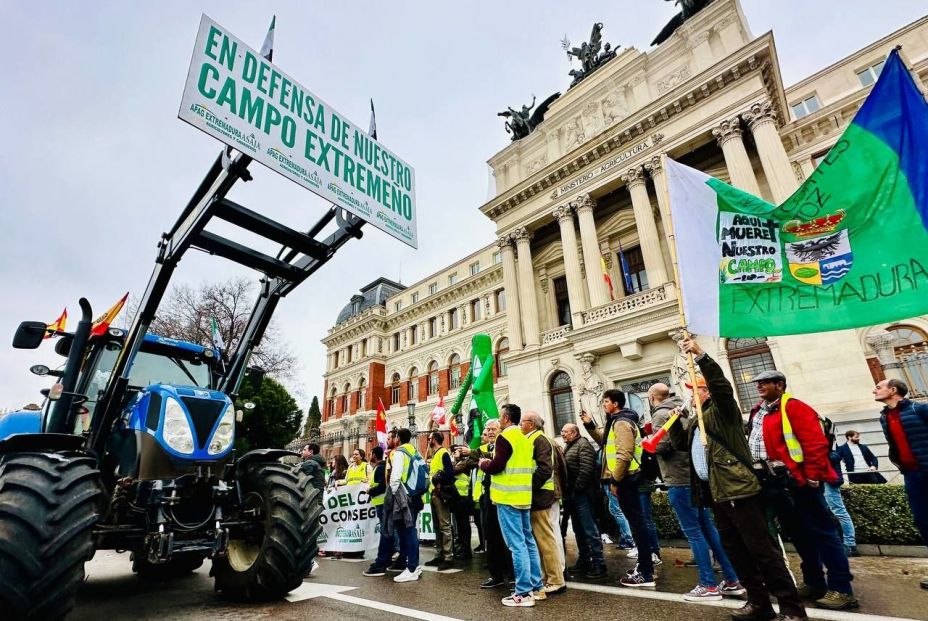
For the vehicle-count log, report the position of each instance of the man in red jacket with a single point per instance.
(791, 454)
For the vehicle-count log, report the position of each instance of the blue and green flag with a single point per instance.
(849, 248)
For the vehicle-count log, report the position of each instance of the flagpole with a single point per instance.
(681, 313)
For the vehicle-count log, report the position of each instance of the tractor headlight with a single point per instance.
(222, 438)
(177, 433)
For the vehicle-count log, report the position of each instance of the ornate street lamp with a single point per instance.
(411, 410)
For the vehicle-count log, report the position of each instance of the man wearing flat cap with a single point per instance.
(791, 452)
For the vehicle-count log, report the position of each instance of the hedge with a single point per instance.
(880, 512)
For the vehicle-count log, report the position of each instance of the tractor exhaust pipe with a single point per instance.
(58, 419)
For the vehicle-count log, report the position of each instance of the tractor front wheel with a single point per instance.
(48, 505)
(273, 561)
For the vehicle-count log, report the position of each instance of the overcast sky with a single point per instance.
(95, 164)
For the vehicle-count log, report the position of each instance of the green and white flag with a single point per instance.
(216, 336)
(267, 49)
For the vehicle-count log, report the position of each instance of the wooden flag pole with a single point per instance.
(681, 314)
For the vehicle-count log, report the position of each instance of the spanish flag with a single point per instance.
(381, 424)
(602, 264)
(57, 325)
(102, 323)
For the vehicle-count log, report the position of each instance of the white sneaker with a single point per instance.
(409, 576)
(655, 559)
(606, 538)
(521, 601)
(314, 567)
(632, 553)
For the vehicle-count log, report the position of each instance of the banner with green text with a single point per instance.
(236, 96)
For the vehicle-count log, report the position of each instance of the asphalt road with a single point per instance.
(887, 588)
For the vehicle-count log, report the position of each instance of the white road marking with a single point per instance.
(310, 590)
(814, 613)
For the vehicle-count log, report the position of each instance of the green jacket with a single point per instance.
(727, 446)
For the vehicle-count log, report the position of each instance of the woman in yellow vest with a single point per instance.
(359, 471)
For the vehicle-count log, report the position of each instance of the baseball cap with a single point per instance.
(700, 382)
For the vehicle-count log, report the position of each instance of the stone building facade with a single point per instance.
(583, 193)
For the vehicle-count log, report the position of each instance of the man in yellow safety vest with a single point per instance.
(441, 471)
(511, 491)
(621, 462)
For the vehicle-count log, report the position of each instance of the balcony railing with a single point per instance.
(555, 336)
(628, 304)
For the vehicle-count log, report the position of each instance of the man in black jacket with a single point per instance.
(579, 495)
(860, 463)
(313, 466)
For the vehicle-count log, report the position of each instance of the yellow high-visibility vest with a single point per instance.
(377, 500)
(549, 484)
(435, 466)
(610, 450)
(792, 444)
(513, 486)
(478, 476)
(357, 474)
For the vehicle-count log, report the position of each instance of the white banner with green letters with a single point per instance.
(238, 97)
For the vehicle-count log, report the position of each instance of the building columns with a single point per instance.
(761, 119)
(599, 293)
(647, 229)
(575, 285)
(740, 171)
(527, 287)
(511, 287)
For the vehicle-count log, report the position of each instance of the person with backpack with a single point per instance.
(786, 439)
(408, 482)
(620, 440)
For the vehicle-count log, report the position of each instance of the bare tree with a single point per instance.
(186, 314)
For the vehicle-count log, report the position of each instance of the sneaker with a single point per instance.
(632, 553)
(444, 566)
(807, 592)
(637, 580)
(835, 600)
(520, 601)
(375, 570)
(606, 538)
(579, 569)
(924, 583)
(480, 550)
(852, 551)
(550, 589)
(397, 566)
(435, 562)
(492, 583)
(625, 544)
(690, 562)
(409, 576)
(539, 595)
(597, 572)
(731, 588)
(656, 559)
(314, 567)
(702, 593)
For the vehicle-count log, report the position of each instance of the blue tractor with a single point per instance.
(135, 447)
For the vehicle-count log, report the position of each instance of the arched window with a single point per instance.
(346, 398)
(413, 385)
(433, 378)
(454, 372)
(332, 401)
(501, 349)
(748, 358)
(362, 386)
(911, 348)
(562, 400)
(395, 389)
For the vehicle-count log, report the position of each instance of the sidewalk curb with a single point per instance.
(865, 549)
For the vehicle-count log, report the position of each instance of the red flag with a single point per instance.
(381, 424)
(102, 324)
(56, 325)
(607, 278)
(438, 414)
(453, 428)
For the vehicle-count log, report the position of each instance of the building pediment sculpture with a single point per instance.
(523, 122)
(688, 8)
(592, 54)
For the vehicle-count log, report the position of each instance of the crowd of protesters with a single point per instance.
(735, 488)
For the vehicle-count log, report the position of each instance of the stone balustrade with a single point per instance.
(628, 304)
(558, 335)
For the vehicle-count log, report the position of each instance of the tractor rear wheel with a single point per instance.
(273, 561)
(48, 505)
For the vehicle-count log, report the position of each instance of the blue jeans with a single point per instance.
(388, 543)
(836, 504)
(589, 545)
(516, 525)
(409, 543)
(649, 523)
(625, 531)
(916, 488)
(700, 532)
